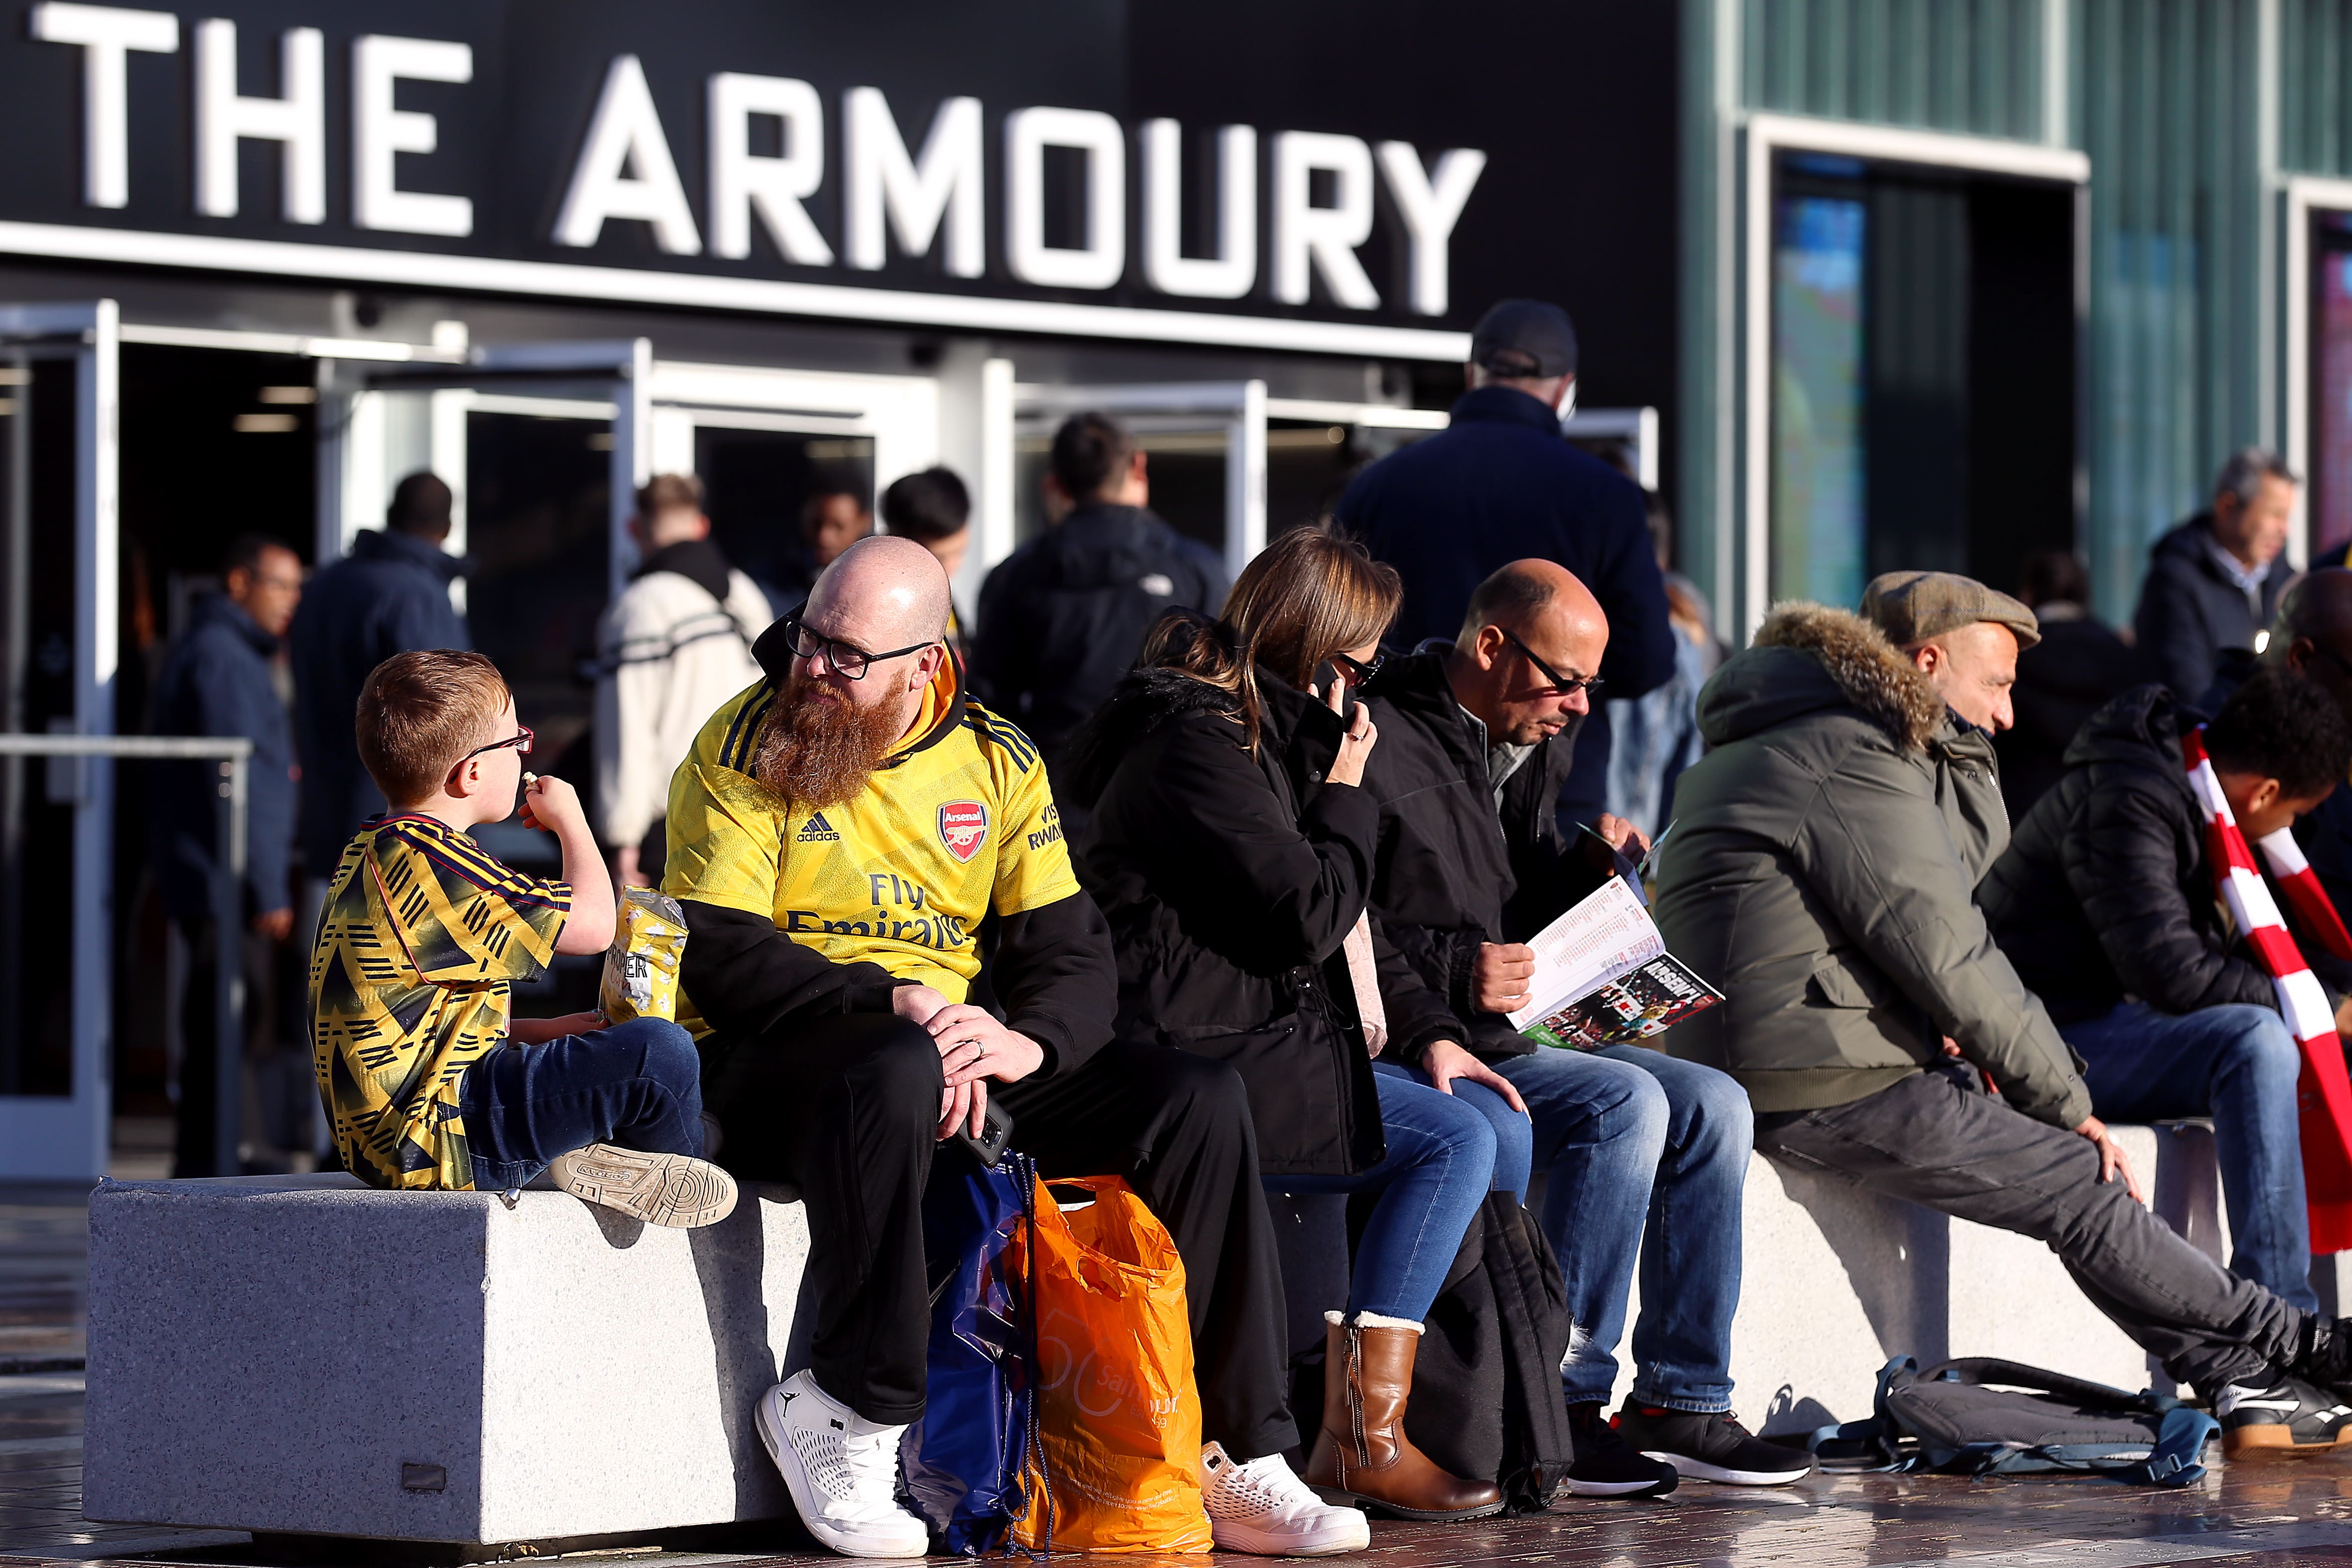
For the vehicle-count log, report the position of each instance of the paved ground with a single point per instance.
(2288, 1516)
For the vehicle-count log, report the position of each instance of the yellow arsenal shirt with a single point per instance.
(958, 823)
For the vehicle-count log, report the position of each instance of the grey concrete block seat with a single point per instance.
(302, 1354)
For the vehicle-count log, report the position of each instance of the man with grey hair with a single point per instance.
(2214, 581)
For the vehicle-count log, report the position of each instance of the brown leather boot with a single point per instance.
(1362, 1454)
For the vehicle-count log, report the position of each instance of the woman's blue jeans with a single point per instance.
(1440, 1166)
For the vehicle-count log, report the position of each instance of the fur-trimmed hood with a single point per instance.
(1807, 658)
(1144, 700)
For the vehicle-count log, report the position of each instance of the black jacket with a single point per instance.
(216, 681)
(1500, 484)
(1455, 870)
(2190, 611)
(1063, 618)
(2073, 671)
(2105, 888)
(1230, 882)
(390, 596)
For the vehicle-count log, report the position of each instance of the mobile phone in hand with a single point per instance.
(997, 1129)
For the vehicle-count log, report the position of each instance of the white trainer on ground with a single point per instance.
(842, 1470)
(674, 1190)
(1263, 1507)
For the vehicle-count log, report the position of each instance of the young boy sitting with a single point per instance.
(427, 1083)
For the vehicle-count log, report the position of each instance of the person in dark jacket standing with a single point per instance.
(2214, 581)
(388, 595)
(215, 680)
(1501, 484)
(1230, 847)
(1647, 1154)
(2105, 903)
(1062, 617)
(1822, 873)
(2061, 680)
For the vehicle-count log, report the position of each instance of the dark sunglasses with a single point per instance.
(1566, 686)
(847, 660)
(520, 742)
(1363, 669)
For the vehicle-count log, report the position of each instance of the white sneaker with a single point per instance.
(842, 1470)
(674, 1190)
(1264, 1508)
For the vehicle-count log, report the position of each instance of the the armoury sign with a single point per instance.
(714, 154)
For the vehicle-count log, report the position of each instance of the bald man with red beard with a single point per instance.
(836, 838)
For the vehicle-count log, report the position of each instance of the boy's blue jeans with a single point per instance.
(2238, 1063)
(636, 1085)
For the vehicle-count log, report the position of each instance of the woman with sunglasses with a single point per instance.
(1231, 847)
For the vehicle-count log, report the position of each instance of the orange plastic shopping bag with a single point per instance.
(1119, 1420)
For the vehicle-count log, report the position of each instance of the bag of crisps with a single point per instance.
(641, 966)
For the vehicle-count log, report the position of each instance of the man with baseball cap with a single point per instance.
(1500, 484)
(1822, 873)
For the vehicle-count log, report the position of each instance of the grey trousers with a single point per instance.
(1939, 1140)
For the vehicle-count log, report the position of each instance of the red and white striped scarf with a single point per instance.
(2323, 1092)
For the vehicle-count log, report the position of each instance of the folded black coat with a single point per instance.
(1230, 882)
(2106, 888)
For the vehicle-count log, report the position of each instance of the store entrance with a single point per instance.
(1923, 365)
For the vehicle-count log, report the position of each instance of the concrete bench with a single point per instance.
(301, 1355)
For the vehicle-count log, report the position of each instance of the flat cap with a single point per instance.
(1913, 608)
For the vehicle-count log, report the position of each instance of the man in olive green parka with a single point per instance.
(1822, 873)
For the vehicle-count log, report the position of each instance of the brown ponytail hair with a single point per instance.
(1312, 592)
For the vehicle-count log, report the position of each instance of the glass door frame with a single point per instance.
(1743, 553)
(66, 1137)
(2303, 200)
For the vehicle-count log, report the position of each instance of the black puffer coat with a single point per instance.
(1230, 882)
(2105, 888)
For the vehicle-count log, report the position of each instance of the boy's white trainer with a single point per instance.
(842, 1470)
(1263, 1507)
(674, 1190)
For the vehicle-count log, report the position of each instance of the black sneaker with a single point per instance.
(1606, 1465)
(2326, 1357)
(2288, 1420)
(1711, 1445)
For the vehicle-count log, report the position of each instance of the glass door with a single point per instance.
(58, 660)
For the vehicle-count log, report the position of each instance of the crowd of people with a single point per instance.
(1228, 889)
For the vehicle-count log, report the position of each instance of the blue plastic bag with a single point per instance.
(964, 1458)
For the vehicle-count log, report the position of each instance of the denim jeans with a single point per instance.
(636, 1085)
(1439, 1169)
(2238, 1065)
(1646, 1156)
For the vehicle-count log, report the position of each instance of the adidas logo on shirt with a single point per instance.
(817, 830)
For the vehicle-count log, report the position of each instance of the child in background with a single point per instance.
(427, 1083)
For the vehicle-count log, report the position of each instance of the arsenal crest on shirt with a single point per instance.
(963, 827)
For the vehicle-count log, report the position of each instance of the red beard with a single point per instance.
(817, 749)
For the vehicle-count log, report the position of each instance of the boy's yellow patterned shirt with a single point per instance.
(422, 938)
(959, 822)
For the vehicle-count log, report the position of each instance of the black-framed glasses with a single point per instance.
(1358, 670)
(1565, 685)
(520, 740)
(845, 659)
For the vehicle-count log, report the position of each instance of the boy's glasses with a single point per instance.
(520, 740)
(1565, 685)
(845, 659)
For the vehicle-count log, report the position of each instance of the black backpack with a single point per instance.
(1977, 1417)
(1493, 1343)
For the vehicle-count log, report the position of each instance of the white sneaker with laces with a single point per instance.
(1263, 1507)
(842, 1470)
